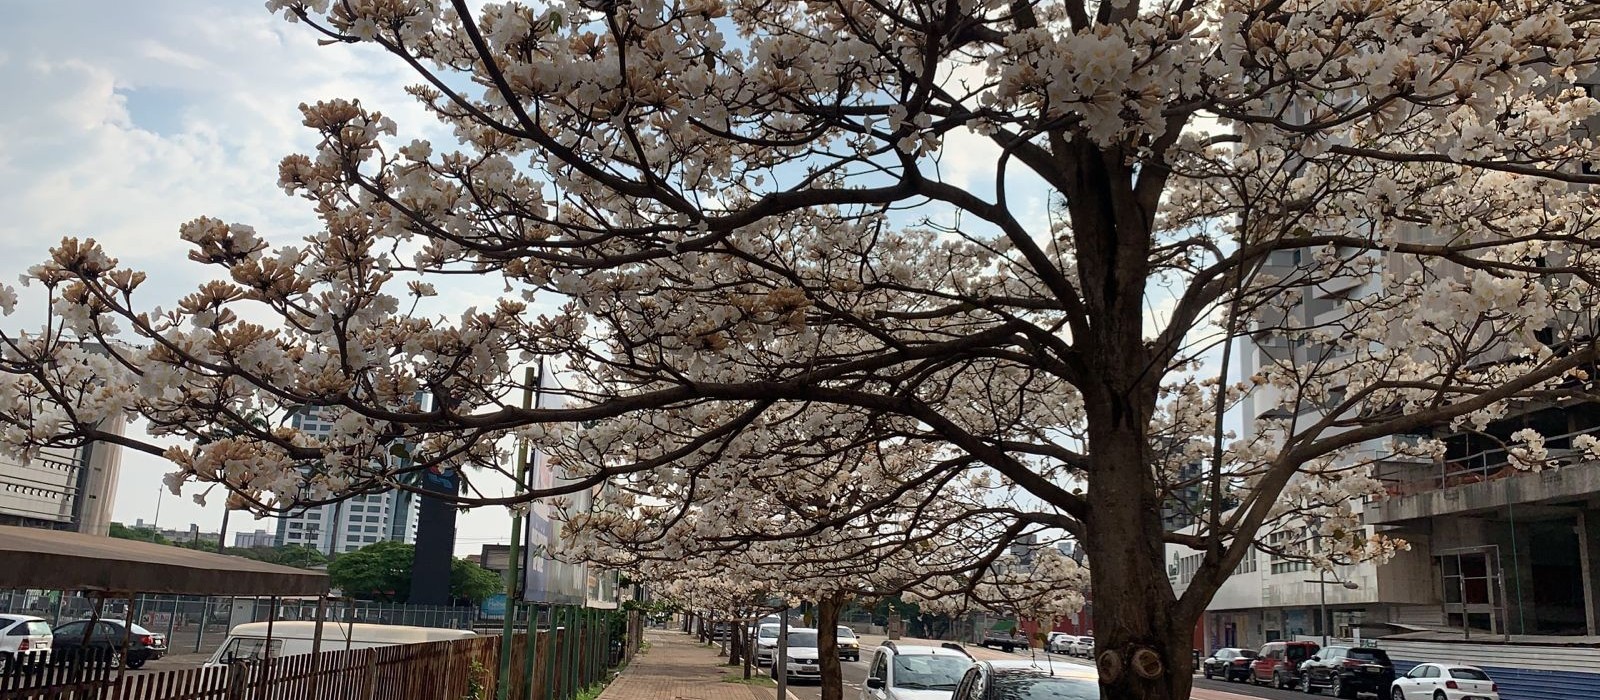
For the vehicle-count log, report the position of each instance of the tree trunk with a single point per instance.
(736, 637)
(1142, 648)
(828, 646)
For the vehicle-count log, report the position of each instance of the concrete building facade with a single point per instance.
(351, 524)
(63, 489)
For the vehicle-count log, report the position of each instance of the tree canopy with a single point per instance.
(382, 571)
(1028, 253)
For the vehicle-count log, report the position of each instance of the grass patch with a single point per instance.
(760, 680)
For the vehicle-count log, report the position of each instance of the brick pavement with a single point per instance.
(677, 668)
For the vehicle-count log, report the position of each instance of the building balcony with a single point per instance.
(1482, 482)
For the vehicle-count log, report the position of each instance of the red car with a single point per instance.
(1279, 663)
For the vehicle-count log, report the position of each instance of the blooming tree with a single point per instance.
(748, 210)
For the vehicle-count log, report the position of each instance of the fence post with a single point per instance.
(369, 684)
(547, 666)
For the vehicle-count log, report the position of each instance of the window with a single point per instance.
(371, 528)
(369, 539)
(1283, 546)
(297, 526)
(357, 509)
(1468, 674)
(374, 519)
(248, 649)
(1247, 565)
(880, 664)
(929, 671)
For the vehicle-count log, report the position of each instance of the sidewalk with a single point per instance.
(676, 668)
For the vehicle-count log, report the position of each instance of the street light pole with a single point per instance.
(1322, 588)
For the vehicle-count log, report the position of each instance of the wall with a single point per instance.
(1524, 672)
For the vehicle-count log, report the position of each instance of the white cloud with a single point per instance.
(123, 125)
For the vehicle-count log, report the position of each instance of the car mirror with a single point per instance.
(875, 683)
(1316, 658)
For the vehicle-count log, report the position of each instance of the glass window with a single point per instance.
(372, 528)
(846, 633)
(1247, 653)
(1468, 674)
(1428, 672)
(803, 640)
(248, 649)
(1031, 687)
(1365, 654)
(767, 632)
(880, 666)
(928, 671)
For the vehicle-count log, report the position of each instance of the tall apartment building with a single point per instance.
(351, 524)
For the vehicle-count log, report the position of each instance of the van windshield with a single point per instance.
(248, 650)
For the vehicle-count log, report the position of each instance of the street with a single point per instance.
(855, 676)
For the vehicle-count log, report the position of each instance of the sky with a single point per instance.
(123, 125)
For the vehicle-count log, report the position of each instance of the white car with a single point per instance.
(804, 661)
(1448, 681)
(915, 672)
(1082, 646)
(24, 641)
(766, 643)
(849, 646)
(1059, 642)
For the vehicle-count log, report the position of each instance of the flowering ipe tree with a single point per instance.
(748, 206)
(828, 512)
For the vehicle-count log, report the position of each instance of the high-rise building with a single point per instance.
(350, 524)
(63, 489)
(253, 540)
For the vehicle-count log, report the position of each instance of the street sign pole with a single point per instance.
(507, 628)
(780, 665)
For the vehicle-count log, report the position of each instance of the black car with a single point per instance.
(1004, 641)
(1042, 679)
(1229, 664)
(1349, 670)
(133, 649)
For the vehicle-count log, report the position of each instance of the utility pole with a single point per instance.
(532, 382)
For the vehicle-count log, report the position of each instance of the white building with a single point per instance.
(351, 524)
(253, 540)
(63, 489)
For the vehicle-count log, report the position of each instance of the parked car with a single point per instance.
(849, 646)
(1278, 663)
(1448, 681)
(766, 643)
(133, 646)
(1347, 671)
(915, 672)
(1009, 680)
(1004, 640)
(804, 661)
(1082, 646)
(1059, 642)
(1229, 664)
(24, 642)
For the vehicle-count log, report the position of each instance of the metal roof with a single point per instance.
(73, 561)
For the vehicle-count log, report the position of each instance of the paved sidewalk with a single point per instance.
(677, 668)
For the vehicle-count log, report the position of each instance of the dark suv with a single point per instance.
(1349, 670)
(1279, 663)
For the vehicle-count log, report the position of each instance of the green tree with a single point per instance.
(380, 571)
(296, 555)
(143, 534)
(471, 582)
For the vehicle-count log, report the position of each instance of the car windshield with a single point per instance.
(1246, 653)
(1378, 655)
(929, 671)
(846, 633)
(1468, 674)
(1031, 687)
(767, 633)
(803, 639)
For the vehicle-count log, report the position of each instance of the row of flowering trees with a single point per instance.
(1020, 240)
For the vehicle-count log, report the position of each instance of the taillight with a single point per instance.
(1494, 687)
(147, 640)
(23, 646)
(1350, 663)
(1452, 685)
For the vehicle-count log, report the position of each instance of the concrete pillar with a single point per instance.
(1589, 557)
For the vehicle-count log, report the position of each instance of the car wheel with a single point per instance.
(1207, 673)
(1397, 694)
(1277, 680)
(1339, 691)
(135, 663)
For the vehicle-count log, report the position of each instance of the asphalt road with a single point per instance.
(855, 675)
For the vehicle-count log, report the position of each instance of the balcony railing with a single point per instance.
(1409, 479)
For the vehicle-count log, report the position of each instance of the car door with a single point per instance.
(1415, 685)
(880, 669)
(1261, 668)
(70, 635)
(1328, 663)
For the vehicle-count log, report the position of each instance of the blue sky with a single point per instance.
(123, 125)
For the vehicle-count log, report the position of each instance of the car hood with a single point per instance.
(912, 694)
(802, 653)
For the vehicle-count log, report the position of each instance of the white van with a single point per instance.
(291, 638)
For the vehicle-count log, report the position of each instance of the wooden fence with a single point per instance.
(563, 661)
